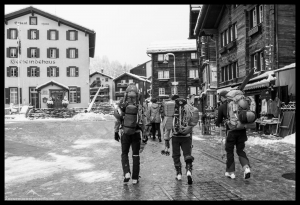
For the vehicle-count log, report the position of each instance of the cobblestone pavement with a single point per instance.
(79, 160)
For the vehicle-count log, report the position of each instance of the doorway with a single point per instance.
(57, 97)
(34, 98)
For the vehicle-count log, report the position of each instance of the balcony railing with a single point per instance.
(231, 45)
(120, 85)
(254, 30)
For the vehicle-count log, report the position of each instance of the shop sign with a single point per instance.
(13, 61)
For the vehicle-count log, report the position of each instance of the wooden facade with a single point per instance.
(121, 83)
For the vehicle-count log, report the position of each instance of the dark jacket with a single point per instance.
(222, 113)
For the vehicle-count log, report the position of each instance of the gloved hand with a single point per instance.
(167, 144)
(117, 137)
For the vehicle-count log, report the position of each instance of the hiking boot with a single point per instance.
(189, 173)
(247, 173)
(178, 173)
(230, 175)
(135, 181)
(126, 178)
(159, 139)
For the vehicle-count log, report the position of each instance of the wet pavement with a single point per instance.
(79, 160)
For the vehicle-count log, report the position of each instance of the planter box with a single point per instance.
(223, 50)
(231, 45)
(254, 30)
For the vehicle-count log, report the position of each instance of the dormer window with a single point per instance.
(33, 20)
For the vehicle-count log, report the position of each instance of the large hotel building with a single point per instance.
(51, 60)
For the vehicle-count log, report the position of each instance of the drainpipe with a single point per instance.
(186, 73)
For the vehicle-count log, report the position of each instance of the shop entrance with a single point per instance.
(57, 97)
(34, 98)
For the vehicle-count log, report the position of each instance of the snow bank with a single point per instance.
(92, 116)
(256, 140)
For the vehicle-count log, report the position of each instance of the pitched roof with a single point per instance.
(32, 10)
(39, 87)
(172, 46)
(97, 72)
(293, 65)
(132, 75)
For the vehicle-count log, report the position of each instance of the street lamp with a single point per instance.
(173, 83)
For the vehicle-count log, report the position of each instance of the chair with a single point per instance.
(286, 123)
(12, 109)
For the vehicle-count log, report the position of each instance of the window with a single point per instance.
(161, 57)
(261, 13)
(163, 74)
(72, 72)
(193, 73)
(235, 31)
(52, 53)
(52, 71)
(12, 71)
(106, 79)
(123, 81)
(12, 33)
(33, 34)
(222, 40)
(33, 20)
(52, 35)
(174, 90)
(72, 53)
(161, 91)
(254, 18)
(33, 53)
(193, 90)
(130, 81)
(227, 36)
(255, 61)
(231, 29)
(193, 56)
(14, 95)
(73, 94)
(72, 35)
(33, 71)
(12, 52)
(261, 58)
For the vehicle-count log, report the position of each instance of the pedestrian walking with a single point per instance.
(129, 126)
(155, 119)
(235, 138)
(185, 118)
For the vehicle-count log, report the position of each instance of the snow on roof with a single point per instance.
(97, 72)
(172, 46)
(132, 75)
(261, 83)
(293, 65)
(53, 81)
(266, 74)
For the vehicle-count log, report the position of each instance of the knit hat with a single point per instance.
(174, 97)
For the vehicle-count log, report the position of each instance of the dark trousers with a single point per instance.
(156, 126)
(185, 143)
(135, 142)
(236, 138)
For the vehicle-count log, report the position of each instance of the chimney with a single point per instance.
(102, 70)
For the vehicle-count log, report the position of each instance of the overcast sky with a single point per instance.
(123, 32)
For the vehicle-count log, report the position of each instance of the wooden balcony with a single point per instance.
(254, 30)
(122, 85)
(231, 45)
(223, 50)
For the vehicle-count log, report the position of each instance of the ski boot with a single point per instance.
(178, 173)
(189, 172)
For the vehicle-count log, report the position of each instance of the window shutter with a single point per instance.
(56, 34)
(20, 95)
(57, 71)
(7, 52)
(48, 35)
(37, 34)
(226, 73)
(76, 72)
(230, 72)
(28, 52)
(68, 35)
(76, 53)
(252, 61)
(68, 71)
(78, 95)
(222, 77)
(229, 34)
(57, 53)
(37, 71)
(17, 54)
(48, 52)
(38, 52)
(257, 61)
(7, 96)
(48, 71)
(28, 71)
(8, 71)
(17, 72)
(68, 53)
(17, 33)
(28, 34)
(234, 70)
(8, 33)
(76, 35)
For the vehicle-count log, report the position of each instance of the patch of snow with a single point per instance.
(195, 137)
(90, 116)
(94, 176)
(256, 140)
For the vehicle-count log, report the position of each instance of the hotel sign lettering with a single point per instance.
(13, 61)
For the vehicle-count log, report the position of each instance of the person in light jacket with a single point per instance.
(154, 113)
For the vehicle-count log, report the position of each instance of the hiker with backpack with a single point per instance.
(154, 113)
(129, 124)
(235, 110)
(185, 118)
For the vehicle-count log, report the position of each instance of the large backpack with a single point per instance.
(131, 109)
(238, 111)
(168, 110)
(184, 115)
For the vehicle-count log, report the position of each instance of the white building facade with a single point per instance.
(53, 62)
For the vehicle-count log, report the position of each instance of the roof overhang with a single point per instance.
(52, 82)
(96, 72)
(209, 19)
(31, 10)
